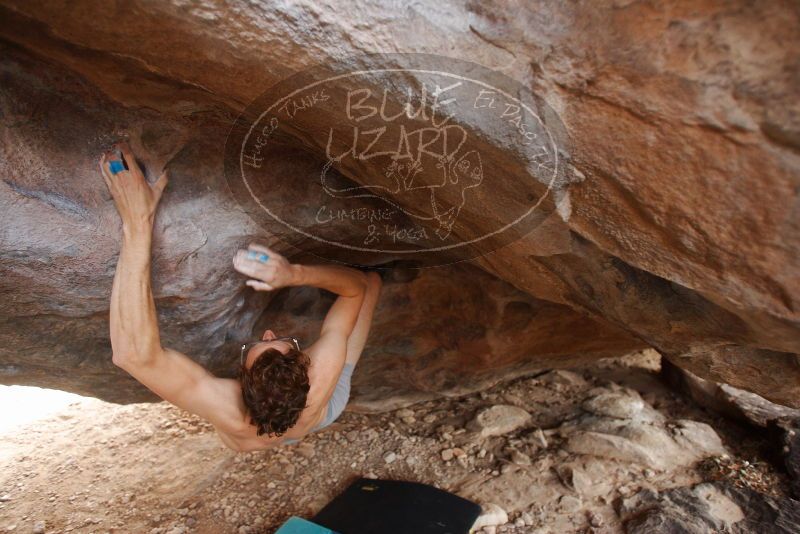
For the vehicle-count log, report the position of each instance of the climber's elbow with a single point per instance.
(129, 358)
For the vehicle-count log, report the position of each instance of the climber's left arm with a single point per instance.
(135, 339)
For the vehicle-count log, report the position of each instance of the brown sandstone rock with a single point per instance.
(676, 226)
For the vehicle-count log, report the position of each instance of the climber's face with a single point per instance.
(268, 341)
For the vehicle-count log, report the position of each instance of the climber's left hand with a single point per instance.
(267, 269)
(135, 198)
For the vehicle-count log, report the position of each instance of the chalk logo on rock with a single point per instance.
(388, 157)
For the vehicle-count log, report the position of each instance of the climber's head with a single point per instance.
(274, 377)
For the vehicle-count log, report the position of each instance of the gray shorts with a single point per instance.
(337, 402)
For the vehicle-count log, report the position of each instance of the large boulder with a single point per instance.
(674, 224)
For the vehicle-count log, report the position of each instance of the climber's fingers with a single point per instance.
(104, 170)
(108, 176)
(253, 266)
(258, 285)
(261, 248)
(160, 184)
(130, 159)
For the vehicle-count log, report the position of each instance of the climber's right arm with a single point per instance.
(133, 321)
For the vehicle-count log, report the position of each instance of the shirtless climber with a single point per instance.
(284, 390)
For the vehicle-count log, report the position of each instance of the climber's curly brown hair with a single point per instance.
(275, 389)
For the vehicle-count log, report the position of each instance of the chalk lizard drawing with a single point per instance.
(466, 172)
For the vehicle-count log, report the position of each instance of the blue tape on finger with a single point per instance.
(116, 166)
(258, 256)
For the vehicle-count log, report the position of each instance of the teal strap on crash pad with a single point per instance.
(296, 525)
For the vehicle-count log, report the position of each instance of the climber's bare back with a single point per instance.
(322, 377)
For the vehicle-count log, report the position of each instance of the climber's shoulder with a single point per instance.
(327, 357)
(219, 401)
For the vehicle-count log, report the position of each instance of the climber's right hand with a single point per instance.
(135, 199)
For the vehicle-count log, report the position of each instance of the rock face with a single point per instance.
(587, 442)
(709, 507)
(703, 508)
(675, 226)
(780, 422)
(449, 330)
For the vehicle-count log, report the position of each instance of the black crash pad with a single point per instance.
(397, 507)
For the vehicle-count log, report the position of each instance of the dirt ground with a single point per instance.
(97, 467)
